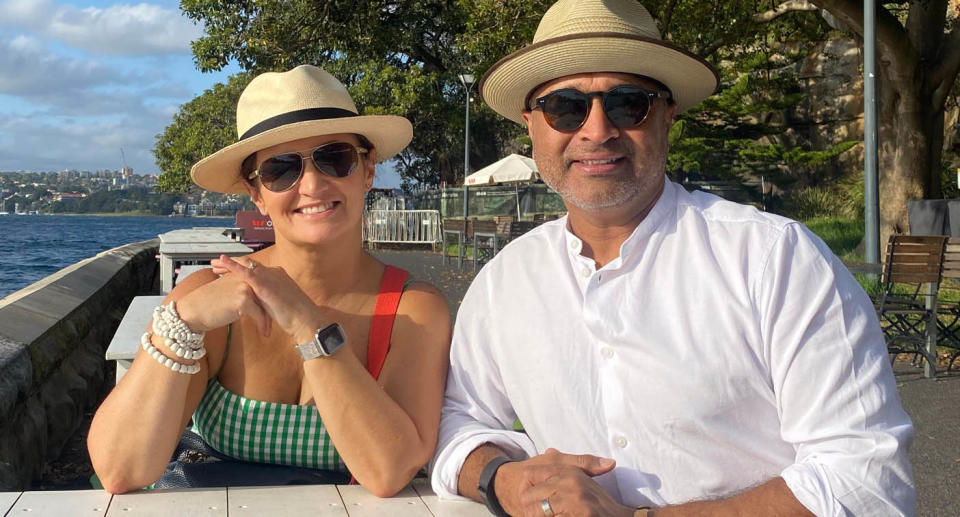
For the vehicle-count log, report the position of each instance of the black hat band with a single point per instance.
(293, 117)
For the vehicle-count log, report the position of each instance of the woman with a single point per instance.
(277, 356)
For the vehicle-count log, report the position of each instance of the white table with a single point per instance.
(188, 270)
(192, 246)
(126, 340)
(417, 500)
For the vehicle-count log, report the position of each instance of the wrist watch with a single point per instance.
(325, 342)
(485, 486)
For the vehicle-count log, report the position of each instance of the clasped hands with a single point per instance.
(265, 294)
(564, 481)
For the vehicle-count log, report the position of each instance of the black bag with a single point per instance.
(219, 470)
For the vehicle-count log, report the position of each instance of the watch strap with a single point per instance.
(310, 350)
(485, 485)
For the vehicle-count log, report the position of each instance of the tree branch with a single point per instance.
(784, 8)
(890, 33)
(943, 76)
(668, 17)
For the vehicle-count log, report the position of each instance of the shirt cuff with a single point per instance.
(445, 470)
(808, 486)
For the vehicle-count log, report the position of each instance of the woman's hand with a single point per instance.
(221, 302)
(277, 293)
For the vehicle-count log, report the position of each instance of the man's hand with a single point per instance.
(564, 480)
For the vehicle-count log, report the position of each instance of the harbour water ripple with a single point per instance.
(35, 246)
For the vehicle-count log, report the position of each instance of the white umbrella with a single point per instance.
(512, 169)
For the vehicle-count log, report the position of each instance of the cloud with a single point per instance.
(121, 30)
(27, 68)
(59, 112)
(30, 143)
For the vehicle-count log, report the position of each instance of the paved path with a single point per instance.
(934, 406)
(422, 265)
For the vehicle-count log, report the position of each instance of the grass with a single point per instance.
(451, 250)
(842, 235)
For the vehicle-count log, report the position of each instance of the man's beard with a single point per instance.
(616, 195)
(617, 192)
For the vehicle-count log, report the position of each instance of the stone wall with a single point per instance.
(831, 112)
(53, 335)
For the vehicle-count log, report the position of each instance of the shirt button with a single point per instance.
(585, 272)
(606, 352)
(574, 244)
(620, 442)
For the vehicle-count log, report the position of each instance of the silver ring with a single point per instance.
(545, 506)
(252, 265)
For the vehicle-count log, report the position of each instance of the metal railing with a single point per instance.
(402, 226)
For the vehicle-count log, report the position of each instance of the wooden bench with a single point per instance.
(907, 308)
(948, 330)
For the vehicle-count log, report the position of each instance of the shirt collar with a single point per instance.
(664, 206)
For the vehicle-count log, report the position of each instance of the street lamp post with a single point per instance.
(467, 80)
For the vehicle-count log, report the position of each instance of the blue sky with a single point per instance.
(81, 79)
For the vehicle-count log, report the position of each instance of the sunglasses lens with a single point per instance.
(626, 107)
(280, 172)
(565, 110)
(338, 159)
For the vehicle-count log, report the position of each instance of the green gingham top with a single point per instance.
(289, 434)
(264, 432)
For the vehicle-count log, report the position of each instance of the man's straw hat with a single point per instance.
(281, 107)
(581, 36)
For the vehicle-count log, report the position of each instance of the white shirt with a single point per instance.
(724, 347)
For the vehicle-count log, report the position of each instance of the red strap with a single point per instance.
(385, 312)
(381, 324)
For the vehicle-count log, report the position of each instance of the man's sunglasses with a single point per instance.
(626, 106)
(281, 172)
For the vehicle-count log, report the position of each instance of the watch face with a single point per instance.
(331, 338)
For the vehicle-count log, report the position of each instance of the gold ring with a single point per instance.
(252, 265)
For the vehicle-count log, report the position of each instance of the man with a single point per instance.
(687, 355)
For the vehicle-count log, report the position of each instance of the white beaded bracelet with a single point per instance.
(167, 324)
(176, 336)
(163, 359)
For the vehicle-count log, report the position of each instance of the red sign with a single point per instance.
(257, 228)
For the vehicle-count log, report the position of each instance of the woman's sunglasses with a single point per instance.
(281, 172)
(626, 106)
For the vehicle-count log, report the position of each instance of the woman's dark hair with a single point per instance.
(250, 162)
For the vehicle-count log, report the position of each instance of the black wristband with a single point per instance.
(485, 486)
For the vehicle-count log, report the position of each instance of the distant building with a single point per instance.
(68, 195)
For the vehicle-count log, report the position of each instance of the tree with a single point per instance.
(399, 58)
(201, 127)
(403, 58)
(918, 48)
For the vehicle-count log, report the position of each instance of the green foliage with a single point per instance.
(949, 176)
(403, 58)
(201, 127)
(842, 234)
(843, 199)
(133, 201)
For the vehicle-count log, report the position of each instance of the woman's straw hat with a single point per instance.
(281, 107)
(581, 36)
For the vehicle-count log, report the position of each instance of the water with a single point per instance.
(35, 246)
